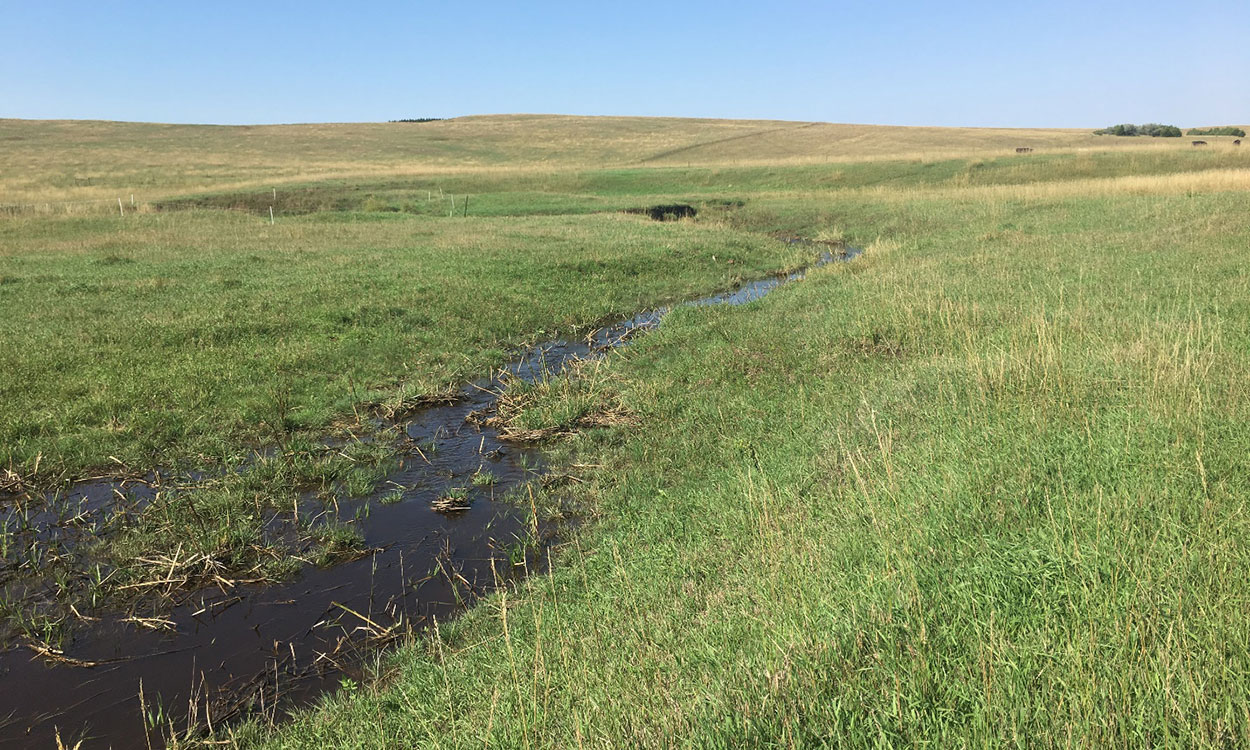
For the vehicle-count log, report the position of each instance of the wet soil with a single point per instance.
(231, 650)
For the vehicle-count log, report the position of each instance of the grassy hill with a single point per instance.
(81, 160)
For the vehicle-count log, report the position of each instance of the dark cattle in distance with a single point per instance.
(1200, 143)
(1023, 149)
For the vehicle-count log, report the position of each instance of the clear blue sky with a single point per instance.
(1049, 64)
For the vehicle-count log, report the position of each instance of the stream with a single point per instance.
(233, 651)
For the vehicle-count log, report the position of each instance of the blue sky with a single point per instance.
(1059, 64)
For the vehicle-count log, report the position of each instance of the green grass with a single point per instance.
(589, 191)
(984, 486)
(168, 338)
(184, 341)
(580, 398)
(483, 478)
(255, 522)
(183, 335)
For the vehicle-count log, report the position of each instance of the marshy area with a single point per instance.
(375, 468)
(437, 509)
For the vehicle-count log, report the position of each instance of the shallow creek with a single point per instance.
(232, 650)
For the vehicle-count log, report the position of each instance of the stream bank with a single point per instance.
(232, 650)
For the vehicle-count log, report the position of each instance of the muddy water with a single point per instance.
(226, 652)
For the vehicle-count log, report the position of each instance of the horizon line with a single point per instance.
(400, 121)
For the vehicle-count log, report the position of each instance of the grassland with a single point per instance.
(984, 485)
(188, 335)
(57, 161)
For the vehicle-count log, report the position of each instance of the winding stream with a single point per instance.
(271, 648)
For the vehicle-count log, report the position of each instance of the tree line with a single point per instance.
(1226, 130)
(1152, 129)
(1157, 130)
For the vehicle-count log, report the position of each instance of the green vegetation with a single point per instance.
(392, 497)
(1152, 129)
(483, 478)
(179, 335)
(251, 522)
(581, 398)
(1226, 130)
(172, 337)
(182, 340)
(453, 500)
(984, 485)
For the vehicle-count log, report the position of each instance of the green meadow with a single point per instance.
(183, 336)
(983, 485)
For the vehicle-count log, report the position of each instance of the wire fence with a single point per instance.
(118, 205)
(436, 202)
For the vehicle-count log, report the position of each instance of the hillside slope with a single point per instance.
(61, 160)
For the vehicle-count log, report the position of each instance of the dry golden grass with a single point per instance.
(84, 160)
(1206, 181)
(1221, 180)
(57, 160)
(816, 142)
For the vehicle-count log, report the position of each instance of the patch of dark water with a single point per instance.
(232, 650)
(667, 212)
(61, 518)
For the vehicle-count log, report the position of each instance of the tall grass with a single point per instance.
(984, 486)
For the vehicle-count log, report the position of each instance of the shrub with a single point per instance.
(1156, 130)
(1125, 129)
(1225, 130)
(1152, 129)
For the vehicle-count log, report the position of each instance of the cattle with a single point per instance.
(1200, 143)
(1237, 142)
(1023, 149)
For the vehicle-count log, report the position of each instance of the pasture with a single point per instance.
(984, 484)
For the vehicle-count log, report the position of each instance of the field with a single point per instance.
(984, 484)
(52, 162)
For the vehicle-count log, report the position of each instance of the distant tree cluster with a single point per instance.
(418, 119)
(1153, 129)
(1226, 130)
